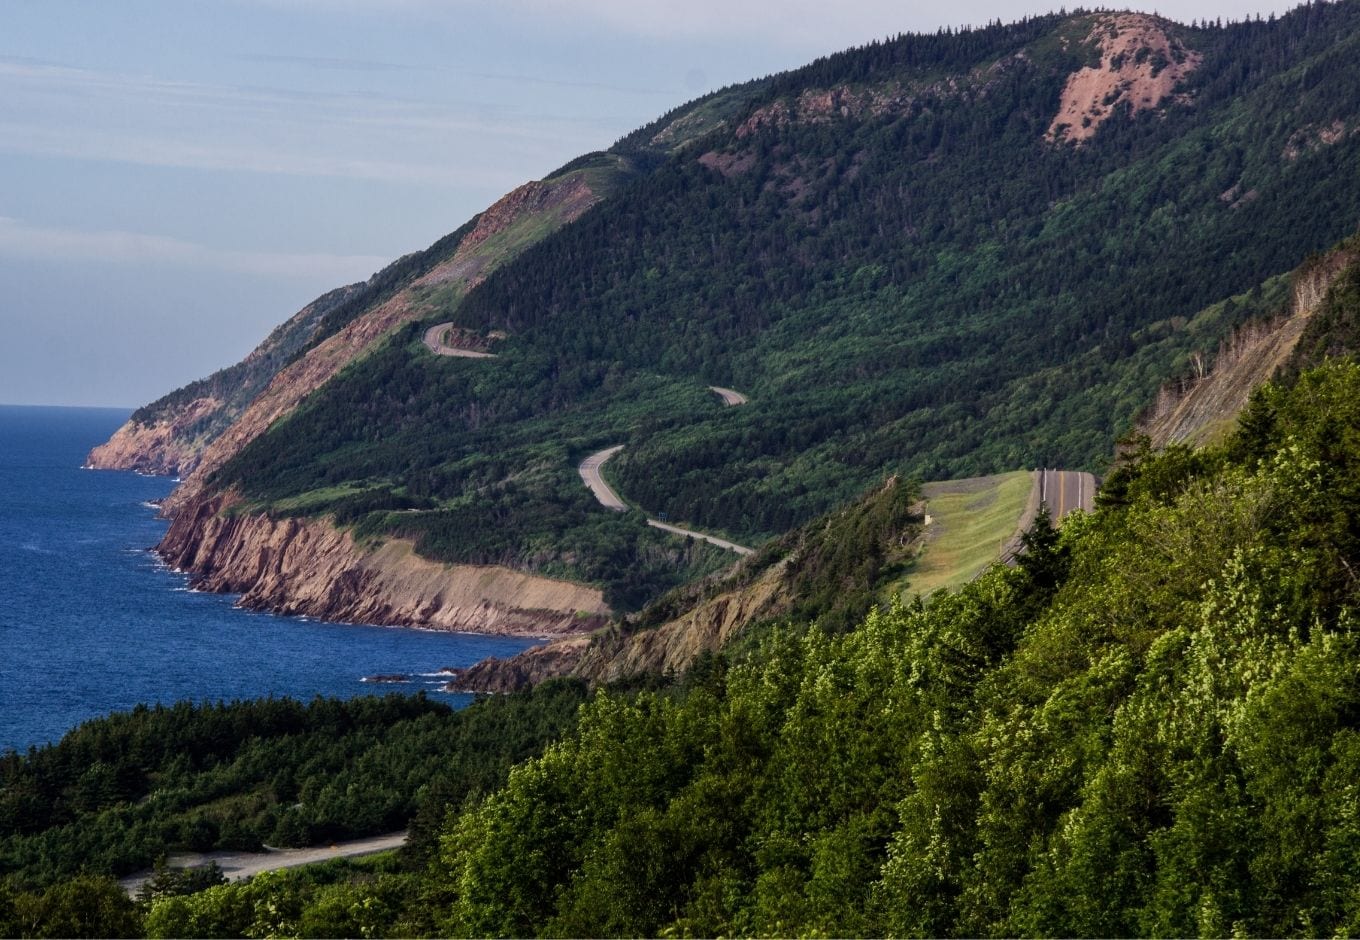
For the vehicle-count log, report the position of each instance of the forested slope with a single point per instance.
(118, 793)
(1146, 727)
(889, 252)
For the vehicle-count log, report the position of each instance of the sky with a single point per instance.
(177, 177)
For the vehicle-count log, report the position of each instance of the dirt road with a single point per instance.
(728, 396)
(237, 866)
(590, 473)
(434, 342)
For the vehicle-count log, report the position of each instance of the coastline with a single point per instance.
(312, 568)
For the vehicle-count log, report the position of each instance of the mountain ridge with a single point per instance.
(898, 296)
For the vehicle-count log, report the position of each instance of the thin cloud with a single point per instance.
(56, 110)
(19, 239)
(807, 26)
(328, 64)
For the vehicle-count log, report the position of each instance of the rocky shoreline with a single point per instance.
(309, 567)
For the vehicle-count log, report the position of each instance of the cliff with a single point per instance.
(168, 436)
(309, 567)
(166, 446)
(499, 233)
(1199, 408)
(612, 654)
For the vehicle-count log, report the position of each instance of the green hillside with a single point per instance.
(971, 522)
(920, 284)
(1149, 725)
(1146, 727)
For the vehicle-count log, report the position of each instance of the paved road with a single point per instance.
(710, 539)
(1062, 491)
(590, 473)
(728, 396)
(1065, 490)
(434, 341)
(590, 467)
(237, 866)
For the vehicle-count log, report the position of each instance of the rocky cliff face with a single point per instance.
(167, 446)
(168, 436)
(311, 568)
(612, 655)
(1201, 407)
(554, 202)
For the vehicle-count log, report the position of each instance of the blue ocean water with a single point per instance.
(91, 622)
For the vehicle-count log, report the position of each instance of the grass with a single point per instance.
(970, 521)
(319, 498)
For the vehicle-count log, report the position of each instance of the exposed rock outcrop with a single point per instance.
(1315, 137)
(1201, 407)
(612, 654)
(558, 201)
(863, 102)
(536, 664)
(1141, 66)
(309, 567)
(166, 447)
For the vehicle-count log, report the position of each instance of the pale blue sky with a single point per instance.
(179, 176)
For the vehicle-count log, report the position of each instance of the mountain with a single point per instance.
(167, 436)
(931, 257)
(1146, 727)
(832, 570)
(170, 434)
(1074, 233)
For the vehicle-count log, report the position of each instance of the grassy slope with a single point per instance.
(970, 521)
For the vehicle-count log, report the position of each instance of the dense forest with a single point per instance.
(118, 793)
(924, 287)
(1147, 726)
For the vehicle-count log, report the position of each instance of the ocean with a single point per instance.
(91, 622)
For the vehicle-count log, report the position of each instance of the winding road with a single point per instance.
(590, 473)
(237, 866)
(434, 342)
(590, 467)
